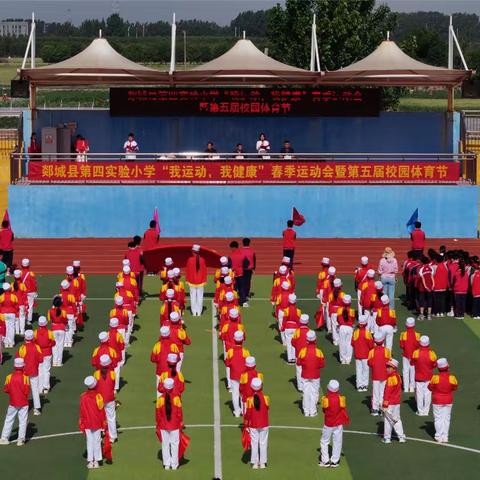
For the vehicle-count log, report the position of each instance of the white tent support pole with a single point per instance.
(312, 48)
(450, 44)
(29, 44)
(172, 54)
(458, 48)
(317, 54)
(33, 51)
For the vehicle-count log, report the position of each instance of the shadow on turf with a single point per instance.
(183, 460)
(367, 401)
(411, 403)
(352, 380)
(429, 427)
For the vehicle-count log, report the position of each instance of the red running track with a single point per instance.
(104, 255)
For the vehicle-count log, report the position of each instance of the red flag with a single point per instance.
(297, 217)
(155, 217)
(184, 441)
(6, 217)
(246, 440)
(107, 446)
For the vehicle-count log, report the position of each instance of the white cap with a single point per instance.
(347, 299)
(311, 336)
(292, 298)
(170, 274)
(69, 270)
(65, 284)
(378, 285)
(6, 286)
(238, 336)
(17, 273)
(90, 382)
(410, 322)
(125, 262)
(442, 363)
(165, 331)
(325, 261)
(126, 269)
(168, 383)
(424, 341)
(224, 270)
(393, 363)
(337, 283)
(113, 322)
(172, 358)
(370, 273)
(304, 319)
(331, 270)
(25, 262)
(286, 260)
(119, 284)
(105, 360)
(42, 321)
(379, 337)
(363, 319)
(256, 383)
(333, 386)
(285, 286)
(76, 263)
(119, 300)
(170, 293)
(282, 269)
(223, 260)
(176, 271)
(364, 260)
(233, 313)
(196, 248)
(29, 335)
(168, 261)
(19, 362)
(384, 299)
(227, 280)
(250, 361)
(174, 317)
(103, 336)
(229, 296)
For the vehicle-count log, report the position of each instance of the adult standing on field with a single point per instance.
(388, 269)
(237, 264)
(289, 236)
(251, 258)
(418, 238)
(151, 236)
(196, 277)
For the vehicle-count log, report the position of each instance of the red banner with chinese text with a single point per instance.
(244, 172)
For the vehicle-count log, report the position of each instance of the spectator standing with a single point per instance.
(130, 147)
(81, 148)
(34, 146)
(418, 238)
(388, 269)
(289, 238)
(263, 145)
(6, 244)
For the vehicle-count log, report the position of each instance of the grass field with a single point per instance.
(294, 439)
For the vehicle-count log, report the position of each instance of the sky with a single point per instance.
(219, 11)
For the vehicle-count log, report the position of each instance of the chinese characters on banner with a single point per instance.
(244, 172)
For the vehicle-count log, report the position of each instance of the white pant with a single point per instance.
(371, 323)
(387, 331)
(298, 373)
(31, 300)
(288, 340)
(180, 361)
(196, 300)
(117, 375)
(408, 375)
(12, 412)
(227, 375)
(111, 419)
(378, 388)
(57, 349)
(345, 343)
(337, 434)
(394, 416)
(362, 373)
(20, 321)
(441, 419)
(328, 318)
(259, 445)
(423, 397)
(94, 445)
(236, 401)
(311, 390)
(334, 328)
(71, 330)
(44, 373)
(34, 386)
(170, 444)
(359, 305)
(10, 329)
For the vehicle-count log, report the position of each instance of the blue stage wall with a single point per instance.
(391, 132)
(222, 211)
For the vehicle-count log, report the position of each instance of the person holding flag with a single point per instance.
(6, 242)
(290, 235)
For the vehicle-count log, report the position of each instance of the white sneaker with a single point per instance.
(90, 465)
(386, 440)
(245, 305)
(255, 466)
(20, 443)
(167, 467)
(402, 440)
(4, 441)
(263, 465)
(36, 412)
(96, 465)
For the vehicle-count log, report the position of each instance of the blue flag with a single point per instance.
(411, 222)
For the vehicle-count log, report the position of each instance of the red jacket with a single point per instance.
(6, 239)
(116, 341)
(418, 239)
(120, 313)
(45, 340)
(361, 274)
(442, 387)
(9, 303)
(32, 355)
(409, 342)
(424, 361)
(311, 359)
(92, 411)
(250, 257)
(228, 331)
(196, 271)
(425, 281)
(392, 394)
(367, 292)
(346, 316)
(386, 316)
(104, 349)
(362, 343)
(475, 281)
(178, 382)
(105, 384)
(17, 386)
(150, 238)
(235, 360)
(166, 309)
(179, 336)
(134, 255)
(377, 361)
(441, 277)
(59, 322)
(160, 353)
(289, 236)
(175, 420)
(236, 262)
(245, 382)
(299, 339)
(291, 317)
(257, 418)
(334, 408)
(460, 283)
(69, 302)
(29, 279)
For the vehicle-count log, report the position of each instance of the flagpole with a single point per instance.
(172, 53)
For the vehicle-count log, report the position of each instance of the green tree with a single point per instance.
(254, 23)
(116, 26)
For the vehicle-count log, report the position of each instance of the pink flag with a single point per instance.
(155, 217)
(7, 218)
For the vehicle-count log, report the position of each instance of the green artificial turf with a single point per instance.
(292, 452)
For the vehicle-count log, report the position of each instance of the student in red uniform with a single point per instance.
(105, 377)
(418, 238)
(58, 317)
(334, 407)
(424, 360)
(92, 421)
(386, 321)
(442, 386)
(160, 351)
(135, 255)
(289, 239)
(288, 321)
(475, 286)
(151, 237)
(237, 264)
(69, 304)
(246, 378)
(20, 290)
(392, 398)
(362, 343)
(360, 277)
(17, 387)
(440, 276)
(345, 321)
(250, 259)
(409, 342)
(460, 284)
(104, 349)
(425, 285)
(179, 336)
(377, 361)
(174, 373)
(196, 277)
(9, 308)
(30, 281)
(299, 341)
(45, 339)
(6, 244)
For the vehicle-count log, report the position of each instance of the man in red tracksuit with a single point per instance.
(289, 236)
(386, 321)
(425, 285)
(151, 236)
(104, 349)
(378, 358)
(362, 343)
(392, 397)
(409, 342)
(299, 341)
(418, 238)
(92, 421)
(424, 360)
